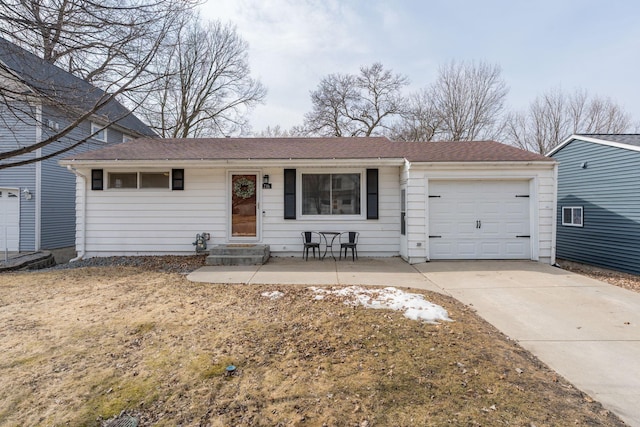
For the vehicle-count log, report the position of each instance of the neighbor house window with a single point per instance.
(331, 193)
(100, 134)
(126, 138)
(572, 216)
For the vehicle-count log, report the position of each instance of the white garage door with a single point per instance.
(479, 220)
(9, 219)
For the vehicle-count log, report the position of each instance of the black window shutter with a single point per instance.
(289, 194)
(97, 179)
(372, 193)
(177, 179)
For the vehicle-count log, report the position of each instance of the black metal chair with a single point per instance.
(311, 240)
(349, 240)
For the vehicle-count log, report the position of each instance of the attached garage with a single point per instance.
(479, 219)
(478, 201)
(9, 219)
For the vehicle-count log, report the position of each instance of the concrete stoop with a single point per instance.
(249, 254)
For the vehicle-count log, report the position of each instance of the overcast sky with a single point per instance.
(541, 44)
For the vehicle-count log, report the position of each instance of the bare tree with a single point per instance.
(206, 88)
(469, 99)
(555, 115)
(420, 122)
(356, 105)
(110, 44)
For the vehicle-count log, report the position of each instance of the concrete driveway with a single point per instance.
(586, 330)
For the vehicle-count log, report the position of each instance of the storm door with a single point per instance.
(244, 205)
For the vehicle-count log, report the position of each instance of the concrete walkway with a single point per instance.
(584, 329)
(294, 271)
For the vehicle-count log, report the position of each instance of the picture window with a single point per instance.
(331, 193)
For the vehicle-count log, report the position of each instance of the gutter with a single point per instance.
(83, 229)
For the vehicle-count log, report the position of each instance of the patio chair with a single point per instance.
(311, 240)
(349, 240)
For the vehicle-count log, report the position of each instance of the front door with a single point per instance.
(244, 206)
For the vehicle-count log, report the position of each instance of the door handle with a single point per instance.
(478, 224)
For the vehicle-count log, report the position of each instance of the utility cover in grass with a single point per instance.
(123, 420)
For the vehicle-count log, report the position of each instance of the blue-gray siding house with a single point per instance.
(598, 218)
(37, 200)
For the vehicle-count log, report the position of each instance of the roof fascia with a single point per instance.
(593, 140)
(483, 165)
(208, 163)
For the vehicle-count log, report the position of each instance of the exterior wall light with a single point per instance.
(265, 181)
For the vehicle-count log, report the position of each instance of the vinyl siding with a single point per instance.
(17, 130)
(57, 223)
(57, 188)
(164, 221)
(609, 190)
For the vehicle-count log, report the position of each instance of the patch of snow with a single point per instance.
(415, 307)
(273, 295)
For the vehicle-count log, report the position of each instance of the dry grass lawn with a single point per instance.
(80, 346)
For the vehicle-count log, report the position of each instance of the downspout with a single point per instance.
(38, 182)
(83, 218)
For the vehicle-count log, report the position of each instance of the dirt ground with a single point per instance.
(80, 346)
(623, 280)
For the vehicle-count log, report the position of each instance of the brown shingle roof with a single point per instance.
(309, 148)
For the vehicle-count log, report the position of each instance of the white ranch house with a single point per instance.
(420, 201)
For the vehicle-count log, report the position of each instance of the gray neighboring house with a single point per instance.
(37, 200)
(598, 220)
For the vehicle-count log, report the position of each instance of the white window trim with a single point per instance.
(571, 224)
(95, 127)
(328, 171)
(138, 173)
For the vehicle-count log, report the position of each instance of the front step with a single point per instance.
(238, 255)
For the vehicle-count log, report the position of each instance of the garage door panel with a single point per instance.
(466, 248)
(491, 208)
(514, 249)
(440, 228)
(445, 249)
(490, 228)
(479, 219)
(516, 228)
(489, 250)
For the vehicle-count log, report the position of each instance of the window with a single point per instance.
(572, 216)
(100, 134)
(142, 180)
(123, 180)
(331, 194)
(126, 138)
(154, 179)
